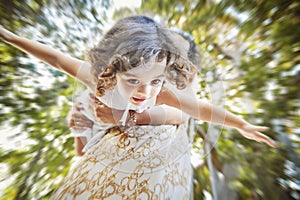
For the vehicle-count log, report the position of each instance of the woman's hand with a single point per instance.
(77, 120)
(253, 132)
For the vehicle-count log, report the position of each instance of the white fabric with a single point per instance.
(142, 162)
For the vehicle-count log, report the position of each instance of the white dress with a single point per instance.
(141, 162)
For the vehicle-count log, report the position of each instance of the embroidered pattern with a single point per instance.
(141, 162)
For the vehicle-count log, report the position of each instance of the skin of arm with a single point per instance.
(202, 110)
(79, 143)
(161, 115)
(55, 58)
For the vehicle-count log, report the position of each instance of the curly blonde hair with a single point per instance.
(131, 39)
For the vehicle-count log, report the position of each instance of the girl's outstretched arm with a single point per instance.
(203, 110)
(57, 59)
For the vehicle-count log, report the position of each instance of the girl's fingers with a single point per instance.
(253, 134)
(265, 139)
(261, 128)
(260, 137)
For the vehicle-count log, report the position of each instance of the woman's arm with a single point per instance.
(202, 110)
(79, 143)
(57, 59)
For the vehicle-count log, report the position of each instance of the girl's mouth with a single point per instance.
(138, 100)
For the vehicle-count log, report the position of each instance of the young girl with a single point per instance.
(127, 71)
(82, 119)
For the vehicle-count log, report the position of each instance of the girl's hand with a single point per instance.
(253, 132)
(6, 35)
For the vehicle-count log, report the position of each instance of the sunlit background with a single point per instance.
(251, 47)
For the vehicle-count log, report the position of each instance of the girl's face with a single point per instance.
(142, 83)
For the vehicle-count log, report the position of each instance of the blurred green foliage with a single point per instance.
(253, 47)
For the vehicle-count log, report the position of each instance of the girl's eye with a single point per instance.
(133, 81)
(156, 82)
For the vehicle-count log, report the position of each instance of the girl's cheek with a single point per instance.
(129, 90)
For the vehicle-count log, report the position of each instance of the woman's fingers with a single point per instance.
(79, 121)
(78, 106)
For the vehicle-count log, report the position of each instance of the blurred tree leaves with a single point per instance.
(36, 148)
(255, 48)
(252, 46)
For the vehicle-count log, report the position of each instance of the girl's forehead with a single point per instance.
(151, 65)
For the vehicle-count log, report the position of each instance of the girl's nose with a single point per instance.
(144, 90)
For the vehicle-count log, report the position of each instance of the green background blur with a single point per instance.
(251, 47)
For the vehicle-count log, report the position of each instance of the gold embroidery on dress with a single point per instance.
(142, 162)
